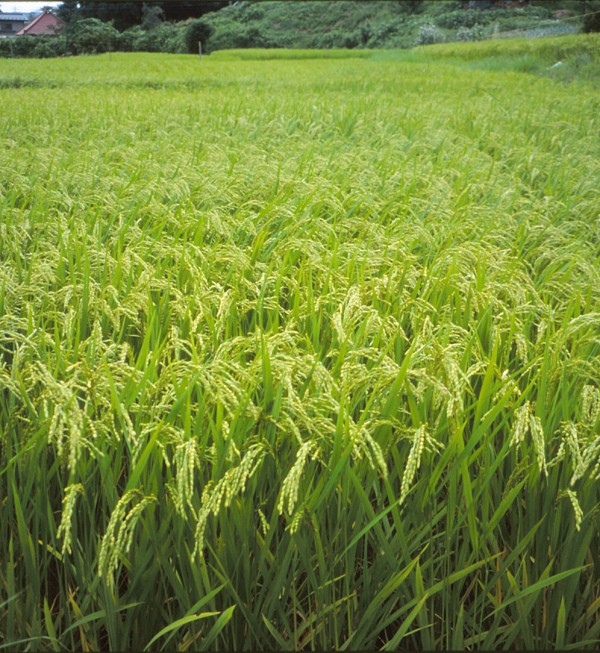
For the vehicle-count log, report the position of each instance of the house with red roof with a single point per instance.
(46, 23)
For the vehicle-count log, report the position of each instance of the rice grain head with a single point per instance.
(64, 530)
(413, 462)
(578, 512)
(119, 533)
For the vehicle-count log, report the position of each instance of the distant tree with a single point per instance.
(122, 14)
(90, 36)
(197, 30)
(175, 11)
(152, 15)
(68, 11)
(591, 22)
(410, 6)
(129, 14)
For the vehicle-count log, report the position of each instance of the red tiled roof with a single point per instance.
(45, 23)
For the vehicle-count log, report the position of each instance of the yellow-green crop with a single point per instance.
(297, 355)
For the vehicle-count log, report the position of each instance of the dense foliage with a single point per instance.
(197, 31)
(125, 15)
(298, 354)
(382, 24)
(169, 27)
(591, 21)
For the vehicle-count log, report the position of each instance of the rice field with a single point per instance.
(297, 355)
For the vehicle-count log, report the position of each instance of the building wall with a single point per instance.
(10, 24)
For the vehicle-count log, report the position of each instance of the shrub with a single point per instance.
(381, 34)
(475, 33)
(457, 19)
(33, 46)
(127, 41)
(166, 37)
(90, 36)
(435, 7)
(234, 36)
(47, 46)
(197, 31)
(429, 34)
(252, 12)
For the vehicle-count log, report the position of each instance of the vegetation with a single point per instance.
(565, 58)
(383, 24)
(125, 15)
(198, 31)
(176, 27)
(297, 354)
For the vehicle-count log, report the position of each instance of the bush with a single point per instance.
(170, 38)
(90, 36)
(33, 46)
(197, 30)
(234, 36)
(380, 35)
(127, 41)
(475, 33)
(457, 19)
(435, 7)
(166, 37)
(252, 12)
(429, 34)
(47, 46)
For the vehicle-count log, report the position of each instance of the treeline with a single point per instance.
(97, 27)
(177, 27)
(95, 36)
(125, 15)
(392, 23)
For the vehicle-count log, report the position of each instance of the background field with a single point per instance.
(297, 354)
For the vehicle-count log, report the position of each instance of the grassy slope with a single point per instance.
(230, 258)
(305, 24)
(376, 24)
(565, 58)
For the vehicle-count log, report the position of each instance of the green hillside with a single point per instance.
(94, 28)
(385, 24)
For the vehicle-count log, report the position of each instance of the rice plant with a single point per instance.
(297, 355)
